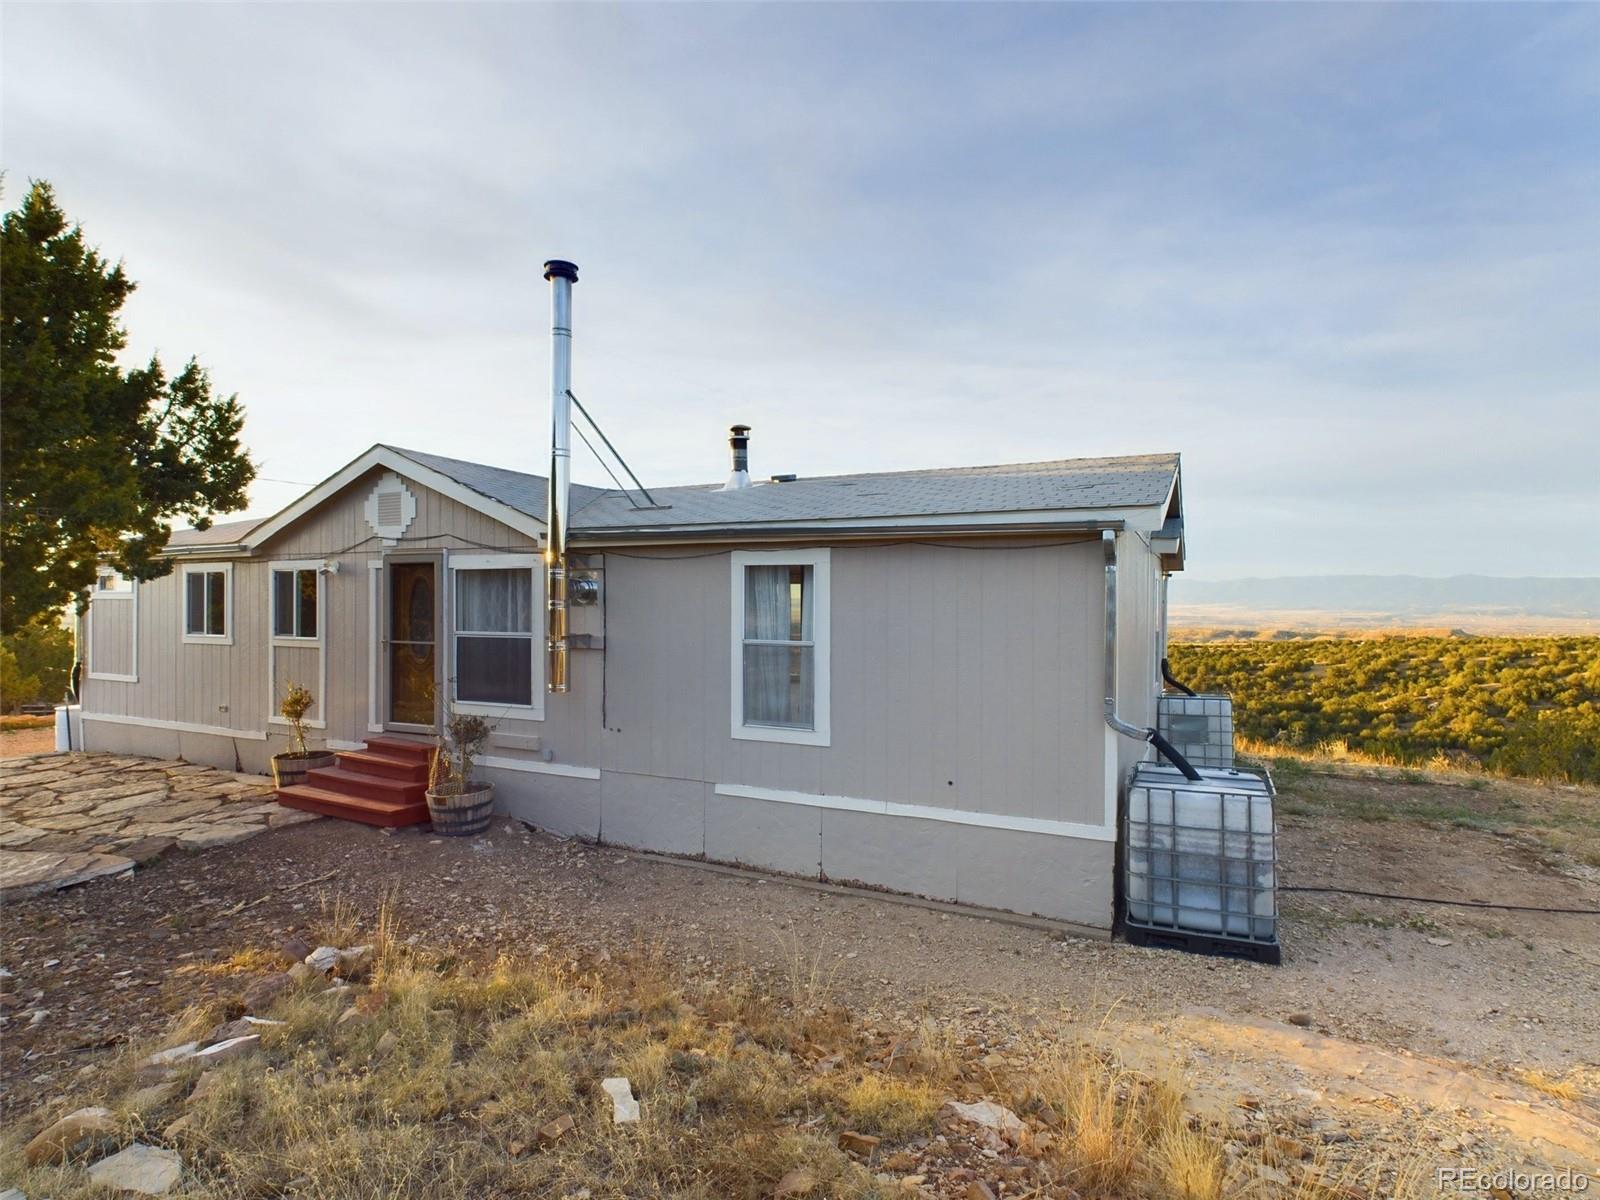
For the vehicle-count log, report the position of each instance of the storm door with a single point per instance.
(411, 604)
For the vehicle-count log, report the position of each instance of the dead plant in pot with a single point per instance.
(292, 766)
(459, 805)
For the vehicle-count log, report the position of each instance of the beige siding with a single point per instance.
(232, 687)
(962, 679)
(216, 684)
(1138, 640)
(965, 676)
(111, 627)
(298, 664)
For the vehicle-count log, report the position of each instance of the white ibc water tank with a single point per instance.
(1201, 856)
(1199, 727)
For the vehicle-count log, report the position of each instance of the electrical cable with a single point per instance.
(1534, 908)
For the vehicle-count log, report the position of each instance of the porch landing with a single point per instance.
(384, 785)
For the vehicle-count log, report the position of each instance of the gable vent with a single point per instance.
(390, 508)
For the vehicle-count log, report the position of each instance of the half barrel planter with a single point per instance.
(462, 814)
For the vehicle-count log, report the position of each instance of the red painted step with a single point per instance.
(385, 785)
(400, 748)
(352, 808)
(373, 787)
(403, 769)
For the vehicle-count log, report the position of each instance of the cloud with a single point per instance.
(1344, 258)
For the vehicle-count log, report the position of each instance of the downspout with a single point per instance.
(562, 275)
(1108, 540)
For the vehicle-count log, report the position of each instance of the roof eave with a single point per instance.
(218, 550)
(842, 530)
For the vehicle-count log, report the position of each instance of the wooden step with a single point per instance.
(405, 770)
(368, 811)
(373, 787)
(400, 748)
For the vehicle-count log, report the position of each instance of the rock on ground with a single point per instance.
(55, 1143)
(144, 1170)
(624, 1108)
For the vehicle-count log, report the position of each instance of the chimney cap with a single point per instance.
(738, 430)
(560, 267)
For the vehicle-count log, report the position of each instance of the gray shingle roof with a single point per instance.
(1066, 484)
(223, 533)
(518, 490)
(1063, 485)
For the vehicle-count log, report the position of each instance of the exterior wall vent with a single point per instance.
(390, 508)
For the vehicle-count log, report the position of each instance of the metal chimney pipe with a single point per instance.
(562, 275)
(739, 443)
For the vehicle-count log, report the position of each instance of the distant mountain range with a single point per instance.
(1578, 597)
(1478, 602)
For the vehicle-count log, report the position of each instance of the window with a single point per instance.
(496, 643)
(294, 603)
(206, 601)
(781, 648)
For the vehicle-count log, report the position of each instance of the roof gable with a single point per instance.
(408, 465)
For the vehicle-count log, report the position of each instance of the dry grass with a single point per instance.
(439, 1084)
(1333, 755)
(1562, 820)
(1561, 1089)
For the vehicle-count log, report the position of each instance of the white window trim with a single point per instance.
(275, 642)
(120, 594)
(291, 639)
(124, 587)
(497, 562)
(225, 638)
(820, 562)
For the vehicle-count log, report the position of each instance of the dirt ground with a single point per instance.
(16, 741)
(1398, 1023)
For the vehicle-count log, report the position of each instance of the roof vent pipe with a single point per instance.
(562, 275)
(739, 442)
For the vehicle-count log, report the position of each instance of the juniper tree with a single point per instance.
(97, 459)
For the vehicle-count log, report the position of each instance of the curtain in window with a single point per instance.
(494, 601)
(495, 669)
(778, 656)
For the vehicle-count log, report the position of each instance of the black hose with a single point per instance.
(1170, 752)
(1344, 891)
(1166, 673)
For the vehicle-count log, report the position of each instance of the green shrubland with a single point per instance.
(1526, 706)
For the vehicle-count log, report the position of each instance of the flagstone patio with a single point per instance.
(65, 818)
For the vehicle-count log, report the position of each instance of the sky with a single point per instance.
(1345, 259)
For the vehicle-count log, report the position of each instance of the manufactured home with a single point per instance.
(936, 682)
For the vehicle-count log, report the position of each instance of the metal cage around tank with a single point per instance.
(1200, 862)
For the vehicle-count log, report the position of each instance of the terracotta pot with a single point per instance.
(290, 768)
(462, 814)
